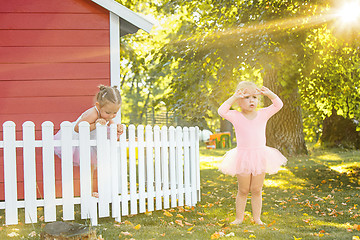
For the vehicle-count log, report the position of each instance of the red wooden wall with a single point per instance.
(53, 55)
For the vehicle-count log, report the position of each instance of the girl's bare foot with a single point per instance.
(236, 222)
(95, 194)
(259, 222)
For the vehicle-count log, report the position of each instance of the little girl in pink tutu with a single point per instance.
(251, 159)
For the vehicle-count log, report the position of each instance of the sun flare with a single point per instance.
(349, 13)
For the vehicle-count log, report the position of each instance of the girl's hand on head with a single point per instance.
(264, 91)
(267, 92)
(101, 121)
(241, 93)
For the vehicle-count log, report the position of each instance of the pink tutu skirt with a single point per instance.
(76, 150)
(253, 161)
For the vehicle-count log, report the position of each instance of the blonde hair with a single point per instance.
(246, 84)
(108, 94)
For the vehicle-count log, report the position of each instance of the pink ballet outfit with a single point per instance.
(76, 150)
(251, 156)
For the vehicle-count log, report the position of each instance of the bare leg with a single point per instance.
(256, 196)
(241, 197)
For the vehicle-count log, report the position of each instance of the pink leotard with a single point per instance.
(251, 156)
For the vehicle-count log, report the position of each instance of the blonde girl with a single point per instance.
(107, 105)
(251, 159)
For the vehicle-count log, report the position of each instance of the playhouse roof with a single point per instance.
(130, 22)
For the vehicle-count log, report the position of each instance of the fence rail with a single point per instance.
(147, 169)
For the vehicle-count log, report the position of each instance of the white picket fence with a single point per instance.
(165, 174)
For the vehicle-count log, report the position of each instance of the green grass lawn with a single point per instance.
(313, 197)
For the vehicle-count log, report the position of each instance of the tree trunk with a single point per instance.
(285, 129)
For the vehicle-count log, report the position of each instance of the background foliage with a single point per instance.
(199, 50)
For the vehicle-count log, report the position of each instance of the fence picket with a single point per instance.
(172, 166)
(67, 170)
(179, 166)
(123, 174)
(197, 163)
(115, 200)
(187, 166)
(49, 169)
(29, 172)
(193, 175)
(103, 174)
(11, 211)
(163, 166)
(132, 170)
(141, 168)
(149, 168)
(85, 169)
(157, 168)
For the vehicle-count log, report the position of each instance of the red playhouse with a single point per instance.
(53, 55)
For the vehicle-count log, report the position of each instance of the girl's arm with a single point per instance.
(225, 107)
(89, 116)
(277, 103)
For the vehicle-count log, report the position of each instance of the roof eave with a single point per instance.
(126, 14)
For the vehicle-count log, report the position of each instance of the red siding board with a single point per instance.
(62, 38)
(54, 71)
(52, 6)
(45, 104)
(50, 88)
(54, 54)
(53, 21)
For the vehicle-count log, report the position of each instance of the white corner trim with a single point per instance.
(126, 14)
(115, 55)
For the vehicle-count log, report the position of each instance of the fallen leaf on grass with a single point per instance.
(179, 222)
(128, 222)
(126, 234)
(272, 223)
(188, 224)
(137, 227)
(168, 214)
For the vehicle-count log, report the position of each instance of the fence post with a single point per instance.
(11, 211)
(29, 172)
(49, 169)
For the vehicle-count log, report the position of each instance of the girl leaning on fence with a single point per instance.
(108, 103)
